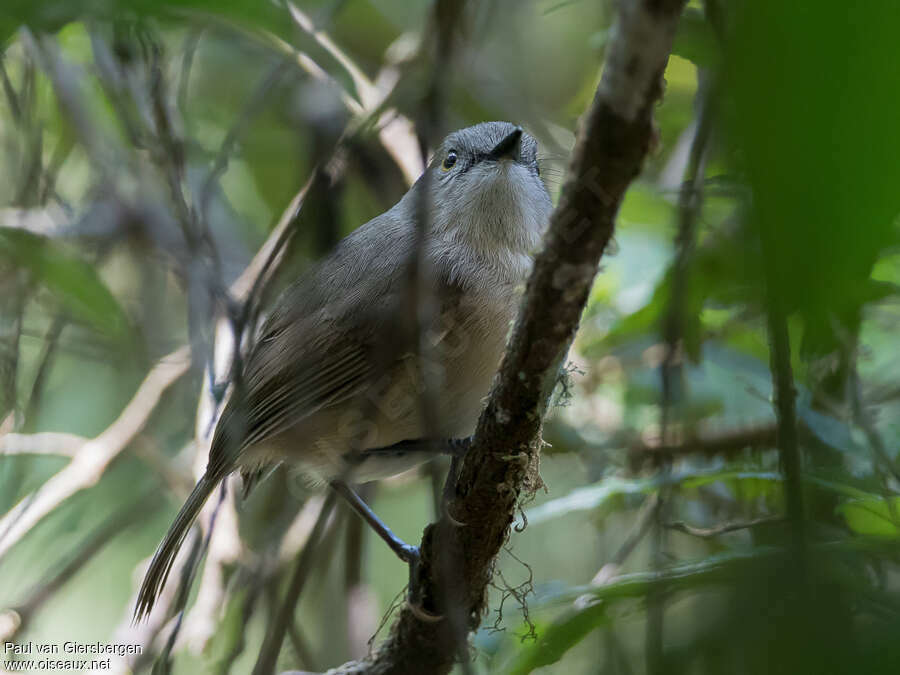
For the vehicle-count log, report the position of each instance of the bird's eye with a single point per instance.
(449, 161)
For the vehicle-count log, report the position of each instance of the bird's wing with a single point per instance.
(317, 346)
(290, 375)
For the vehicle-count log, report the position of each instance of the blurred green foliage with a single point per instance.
(73, 281)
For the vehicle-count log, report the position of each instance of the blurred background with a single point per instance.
(151, 149)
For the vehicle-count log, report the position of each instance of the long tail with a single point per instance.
(162, 561)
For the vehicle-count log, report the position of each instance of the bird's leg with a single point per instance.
(454, 447)
(406, 552)
(457, 447)
(449, 487)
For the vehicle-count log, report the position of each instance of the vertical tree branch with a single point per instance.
(268, 653)
(783, 384)
(690, 200)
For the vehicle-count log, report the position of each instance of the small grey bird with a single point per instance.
(334, 382)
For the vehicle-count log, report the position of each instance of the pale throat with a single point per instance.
(504, 210)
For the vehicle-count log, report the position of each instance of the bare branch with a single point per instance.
(721, 443)
(48, 353)
(640, 528)
(278, 627)
(91, 459)
(18, 618)
(710, 532)
(864, 419)
(396, 132)
(11, 96)
(671, 371)
(225, 547)
(254, 105)
(147, 632)
(43, 443)
(783, 387)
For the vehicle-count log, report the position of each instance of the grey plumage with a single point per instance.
(336, 367)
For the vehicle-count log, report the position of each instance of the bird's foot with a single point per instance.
(460, 447)
(413, 558)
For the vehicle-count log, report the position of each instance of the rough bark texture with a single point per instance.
(457, 561)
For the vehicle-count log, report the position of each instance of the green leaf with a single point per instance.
(73, 281)
(559, 5)
(695, 40)
(719, 276)
(874, 516)
(51, 16)
(831, 431)
(594, 496)
(558, 638)
(590, 497)
(786, 94)
(686, 575)
(750, 483)
(747, 484)
(839, 488)
(646, 210)
(636, 325)
(574, 625)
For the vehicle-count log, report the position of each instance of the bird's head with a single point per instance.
(486, 188)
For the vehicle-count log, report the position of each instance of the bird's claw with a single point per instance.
(414, 594)
(453, 521)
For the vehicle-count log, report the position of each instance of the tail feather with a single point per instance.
(162, 561)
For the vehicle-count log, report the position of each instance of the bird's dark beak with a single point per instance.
(508, 148)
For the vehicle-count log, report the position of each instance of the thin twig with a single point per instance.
(10, 92)
(723, 568)
(671, 370)
(162, 663)
(224, 548)
(867, 424)
(447, 23)
(642, 525)
(236, 641)
(67, 86)
(42, 443)
(189, 50)
(320, 565)
(91, 460)
(709, 444)
(254, 105)
(300, 646)
(275, 633)
(783, 385)
(95, 541)
(711, 532)
(396, 132)
(145, 634)
(113, 81)
(29, 190)
(9, 346)
(51, 341)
